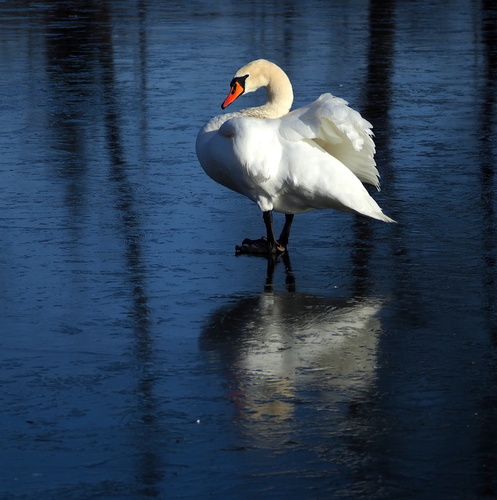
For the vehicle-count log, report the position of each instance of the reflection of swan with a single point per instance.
(315, 157)
(277, 346)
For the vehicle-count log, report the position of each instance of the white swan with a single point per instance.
(314, 157)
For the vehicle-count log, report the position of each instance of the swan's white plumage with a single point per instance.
(315, 157)
(341, 132)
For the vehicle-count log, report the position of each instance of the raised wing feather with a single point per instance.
(339, 130)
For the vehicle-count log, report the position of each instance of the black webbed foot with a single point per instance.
(260, 247)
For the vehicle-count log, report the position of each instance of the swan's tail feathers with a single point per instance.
(383, 217)
(388, 219)
(371, 209)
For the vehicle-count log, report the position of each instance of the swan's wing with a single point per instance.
(339, 130)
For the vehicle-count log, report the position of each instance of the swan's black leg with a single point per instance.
(285, 233)
(271, 238)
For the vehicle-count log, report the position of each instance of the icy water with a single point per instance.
(141, 359)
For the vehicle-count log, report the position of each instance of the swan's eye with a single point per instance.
(239, 80)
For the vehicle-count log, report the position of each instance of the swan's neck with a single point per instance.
(279, 94)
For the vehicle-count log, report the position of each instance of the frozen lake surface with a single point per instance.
(141, 359)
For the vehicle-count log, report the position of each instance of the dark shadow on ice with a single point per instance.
(486, 120)
(377, 97)
(378, 87)
(149, 468)
(81, 67)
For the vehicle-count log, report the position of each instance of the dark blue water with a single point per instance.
(141, 359)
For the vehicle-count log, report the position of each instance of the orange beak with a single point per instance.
(236, 91)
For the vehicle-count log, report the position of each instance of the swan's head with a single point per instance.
(253, 76)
